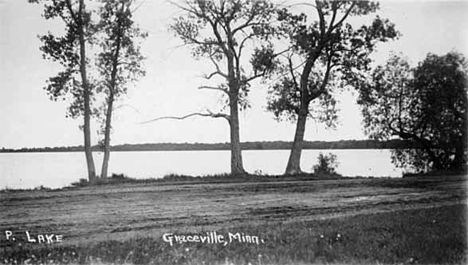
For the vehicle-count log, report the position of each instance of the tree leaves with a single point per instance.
(332, 54)
(100, 33)
(116, 25)
(264, 60)
(426, 104)
(284, 100)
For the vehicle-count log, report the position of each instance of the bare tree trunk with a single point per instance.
(236, 152)
(86, 95)
(294, 162)
(87, 138)
(108, 127)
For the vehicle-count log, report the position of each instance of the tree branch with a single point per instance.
(129, 106)
(199, 42)
(335, 7)
(218, 36)
(327, 73)
(215, 73)
(343, 18)
(218, 70)
(219, 115)
(241, 45)
(72, 13)
(214, 88)
(246, 24)
(293, 76)
(321, 17)
(209, 114)
(255, 76)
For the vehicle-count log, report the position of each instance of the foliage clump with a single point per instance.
(327, 164)
(426, 104)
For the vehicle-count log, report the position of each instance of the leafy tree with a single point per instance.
(70, 51)
(119, 62)
(221, 31)
(326, 53)
(426, 104)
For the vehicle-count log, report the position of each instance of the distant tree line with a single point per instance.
(257, 145)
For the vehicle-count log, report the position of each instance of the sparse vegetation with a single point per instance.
(258, 176)
(327, 164)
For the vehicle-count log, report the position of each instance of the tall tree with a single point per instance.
(220, 31)
(70, 51)
(426, 104)
(329, 50)
(119, 62)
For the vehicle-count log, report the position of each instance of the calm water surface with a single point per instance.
(29, 170)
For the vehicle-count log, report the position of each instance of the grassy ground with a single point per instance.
(353, 221)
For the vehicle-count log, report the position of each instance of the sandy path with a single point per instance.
(124, 211)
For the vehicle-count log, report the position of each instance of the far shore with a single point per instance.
(257, 145)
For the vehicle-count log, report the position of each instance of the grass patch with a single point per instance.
(436, 173)
(113, 179)
(422, 236)
(38, 188)
(216, 178)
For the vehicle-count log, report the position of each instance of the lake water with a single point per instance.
(29, 170)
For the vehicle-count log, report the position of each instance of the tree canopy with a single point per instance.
(426, 104)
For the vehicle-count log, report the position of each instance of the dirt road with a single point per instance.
(127, 210)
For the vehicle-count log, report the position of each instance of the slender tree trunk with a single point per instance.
(236, 152)
(86, 95)
(87, 138)
(110, 102)
(108, 126)
(294, 162)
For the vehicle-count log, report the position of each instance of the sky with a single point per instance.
(28, 118)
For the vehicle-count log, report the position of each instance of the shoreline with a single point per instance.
(172, 179)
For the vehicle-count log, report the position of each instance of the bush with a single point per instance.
(326, 165)
(119, 176)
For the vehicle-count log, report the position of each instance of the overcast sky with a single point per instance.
(29, 119)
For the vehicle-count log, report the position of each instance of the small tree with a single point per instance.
(426, 104)
(327, 51)
(327, 165)
(119, 62)
(70, 51)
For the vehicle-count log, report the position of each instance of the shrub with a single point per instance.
(119, 176)
(326, 165)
